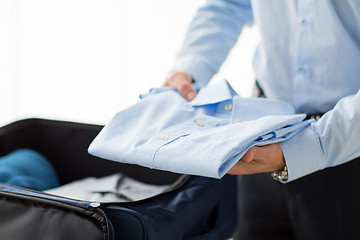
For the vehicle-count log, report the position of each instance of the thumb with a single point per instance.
(186, 90)
(181, 81)
(249, 155)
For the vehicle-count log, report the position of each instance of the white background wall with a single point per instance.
(84, 60)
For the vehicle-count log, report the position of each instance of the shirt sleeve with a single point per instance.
(210, 37)
(331, 141)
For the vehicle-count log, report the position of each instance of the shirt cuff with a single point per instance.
(303, 154)
(198, 67)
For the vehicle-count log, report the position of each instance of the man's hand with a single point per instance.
(182, 82)
(268, 158)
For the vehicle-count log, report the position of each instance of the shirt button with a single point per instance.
(301, 70)
(236, 120)
(228, 106)
(302, 21)
(199, 123)
(164, 137)
(195, 103)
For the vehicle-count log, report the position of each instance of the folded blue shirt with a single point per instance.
(204, 137)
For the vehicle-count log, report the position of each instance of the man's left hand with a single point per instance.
(268, 158)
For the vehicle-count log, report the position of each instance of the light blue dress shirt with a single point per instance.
(308, 56)
(204, 137)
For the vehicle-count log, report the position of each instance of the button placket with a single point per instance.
(302, 70)
(235, 115)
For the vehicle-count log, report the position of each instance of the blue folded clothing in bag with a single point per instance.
(28, 169)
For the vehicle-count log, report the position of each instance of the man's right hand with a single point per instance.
(181, 81)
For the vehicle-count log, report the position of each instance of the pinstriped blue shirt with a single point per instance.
(308, 56)
(205, 137)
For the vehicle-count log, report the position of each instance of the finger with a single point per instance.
(242, 166)
(249, 163)
(186, 90)
(270, 157)
(261, 153)
(271, 151)
(249, 155)
(239, 168)
(181, 81)
(183, 86)
(266, 158)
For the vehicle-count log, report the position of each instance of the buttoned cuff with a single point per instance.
(199, 68)
(303, 154)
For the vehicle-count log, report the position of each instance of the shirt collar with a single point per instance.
(218, 92)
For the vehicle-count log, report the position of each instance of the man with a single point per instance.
(308, 56)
